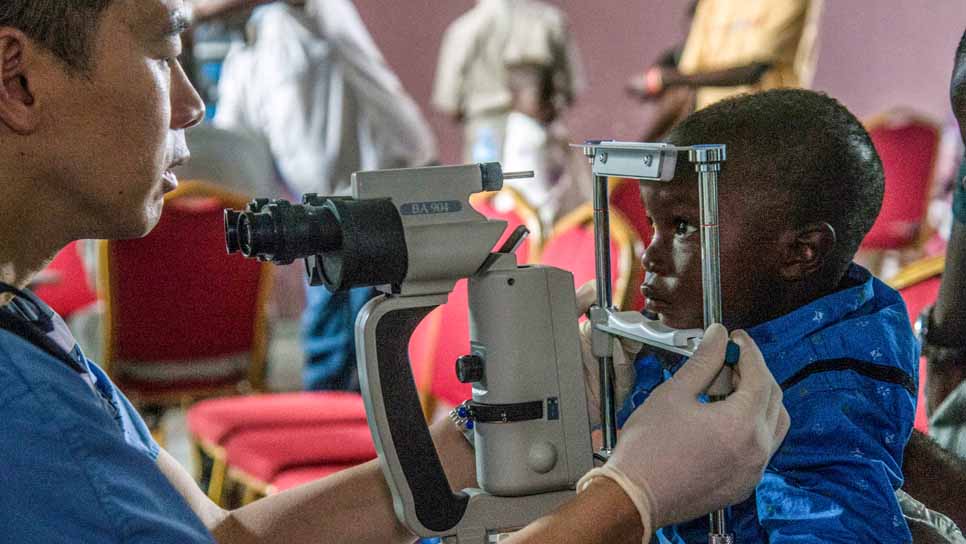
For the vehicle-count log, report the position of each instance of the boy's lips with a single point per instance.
(654, 299)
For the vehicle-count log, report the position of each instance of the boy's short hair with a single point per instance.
(66, 28)
(797, 154)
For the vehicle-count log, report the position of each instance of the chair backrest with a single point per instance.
(65, 287)
(444, 334)
(625, 197)
(918, 284)
(571, 247)
(510, 206)
(908, 146)
(182, 317)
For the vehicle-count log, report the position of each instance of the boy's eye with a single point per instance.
(684, 228)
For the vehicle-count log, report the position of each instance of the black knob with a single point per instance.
(469, 368)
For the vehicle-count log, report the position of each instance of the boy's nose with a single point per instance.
(655, 257)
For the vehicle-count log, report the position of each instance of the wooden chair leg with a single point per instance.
(216, 485)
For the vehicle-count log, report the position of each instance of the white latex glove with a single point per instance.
(677, 458)
(625, 351)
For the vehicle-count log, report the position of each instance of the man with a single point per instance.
(93, 107)
(471, 80)
(736, 47)
(328, 105)
(934, 475)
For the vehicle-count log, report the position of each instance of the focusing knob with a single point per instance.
(469, 368)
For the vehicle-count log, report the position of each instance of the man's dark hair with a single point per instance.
(958, 88)
(66, 28)
(798, 155)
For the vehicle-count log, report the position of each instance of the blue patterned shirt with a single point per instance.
(848, 365)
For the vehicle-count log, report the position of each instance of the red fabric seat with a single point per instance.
(264, 453)
(908, 147)
(294, 477)
(571, 247)
(625, 197)
(918, 284)
(217, 420)
(67, 289)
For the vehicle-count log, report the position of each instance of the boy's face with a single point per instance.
(117, 132)
(672, 261)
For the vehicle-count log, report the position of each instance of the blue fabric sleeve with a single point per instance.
(836, 475)
(136, 432)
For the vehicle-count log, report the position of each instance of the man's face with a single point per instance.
(672, 261)
(118, 131)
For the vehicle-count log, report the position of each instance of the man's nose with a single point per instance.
(187, 108)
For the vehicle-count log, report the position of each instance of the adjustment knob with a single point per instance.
(469, 368)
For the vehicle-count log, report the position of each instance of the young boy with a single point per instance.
(801, 187)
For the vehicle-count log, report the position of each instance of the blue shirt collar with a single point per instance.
(777, 335)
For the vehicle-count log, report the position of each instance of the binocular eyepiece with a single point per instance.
(345, 242)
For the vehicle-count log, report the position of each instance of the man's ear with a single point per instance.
(805, 250)
(17, 110)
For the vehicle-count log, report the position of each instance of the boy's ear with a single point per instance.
(17, 110)
(805, 250)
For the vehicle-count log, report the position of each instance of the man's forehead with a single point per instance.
(156, 17)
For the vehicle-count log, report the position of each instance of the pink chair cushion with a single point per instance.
(452, 341)
(917, 297)
(68, 290)
(908, 152)
(217, 420)
(264, 453)
(294, 477)
(625, 196)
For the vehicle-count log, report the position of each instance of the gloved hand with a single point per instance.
(625, 351)
(677, 458)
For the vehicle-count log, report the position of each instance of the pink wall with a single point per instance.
(865, 46)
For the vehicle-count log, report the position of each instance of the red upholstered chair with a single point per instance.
(908, 146)
(510, 206)
(213, 423)
(257, 457)
(571, 247)
(625, 197)
(182, 318)
(63, 283)
(293, 477)
(918, 283)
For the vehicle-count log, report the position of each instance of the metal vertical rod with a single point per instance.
(707, 165)
(608, 408)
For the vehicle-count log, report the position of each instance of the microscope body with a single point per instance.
(529, 405)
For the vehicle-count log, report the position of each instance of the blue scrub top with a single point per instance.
(78, 463)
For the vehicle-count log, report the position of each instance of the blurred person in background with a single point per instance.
(736, 46)
(313, 83)
(538, 140)
(472, 84)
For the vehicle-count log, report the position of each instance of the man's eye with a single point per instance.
(683, 228)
